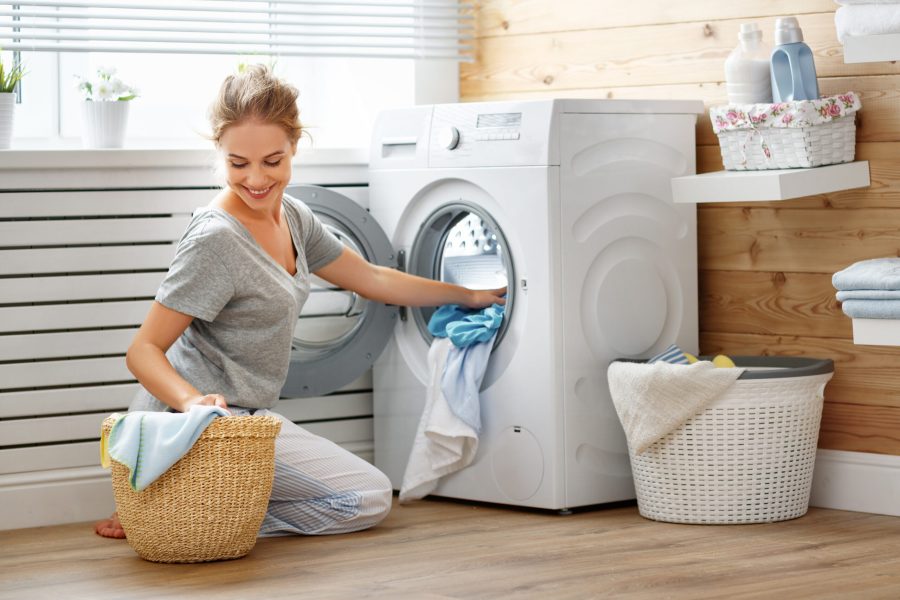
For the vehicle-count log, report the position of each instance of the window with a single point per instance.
(338, 60)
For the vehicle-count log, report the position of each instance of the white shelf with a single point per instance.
(872, 48)
(749, 186)
(876, 332)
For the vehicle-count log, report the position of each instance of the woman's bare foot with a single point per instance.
(110, 527)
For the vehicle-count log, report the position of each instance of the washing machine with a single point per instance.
(566, 202)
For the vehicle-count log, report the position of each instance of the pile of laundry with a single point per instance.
(870, 289)
(447, 437)
(655, 397)
(856, 18)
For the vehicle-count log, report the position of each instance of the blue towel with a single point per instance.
(472, 334)
(673, 354)
(872, 274)
(868, 295)
(872, 309)
(148, 443)
(465, 327)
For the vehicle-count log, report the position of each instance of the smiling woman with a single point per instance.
(221, 327)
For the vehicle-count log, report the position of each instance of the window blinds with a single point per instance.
(419, 29)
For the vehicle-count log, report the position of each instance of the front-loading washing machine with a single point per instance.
(568, 203)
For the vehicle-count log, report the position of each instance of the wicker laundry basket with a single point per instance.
(748, 457)
(799, 134)
(210, 504)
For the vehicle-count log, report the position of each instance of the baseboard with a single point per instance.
(55, 497)
(857, 481)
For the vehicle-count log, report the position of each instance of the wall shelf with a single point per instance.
(872, 48)
(783, 184)
(876, 332)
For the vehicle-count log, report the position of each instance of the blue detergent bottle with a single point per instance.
(793, 68)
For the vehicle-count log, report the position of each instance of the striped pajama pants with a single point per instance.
(320, 488)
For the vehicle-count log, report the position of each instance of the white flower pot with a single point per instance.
(103, 123)
(7, 106)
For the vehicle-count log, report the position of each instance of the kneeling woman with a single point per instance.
(220, 329)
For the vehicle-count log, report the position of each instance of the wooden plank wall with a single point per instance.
(765, 268)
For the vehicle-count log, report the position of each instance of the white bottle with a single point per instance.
(748, 77)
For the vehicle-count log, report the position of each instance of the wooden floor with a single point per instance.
(438, 550)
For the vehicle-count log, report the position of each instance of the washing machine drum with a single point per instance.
(339, 334)
(461, 243)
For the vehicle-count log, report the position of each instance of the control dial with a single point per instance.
(449, 137)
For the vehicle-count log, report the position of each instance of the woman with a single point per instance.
(220, 329)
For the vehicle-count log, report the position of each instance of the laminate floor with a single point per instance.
(438, 550)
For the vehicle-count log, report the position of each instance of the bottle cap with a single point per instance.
(750, 32)
(787, 31)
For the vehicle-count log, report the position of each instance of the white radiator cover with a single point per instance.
(79, 265)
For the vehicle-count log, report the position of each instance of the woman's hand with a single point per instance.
(206, 400)
(483, 298)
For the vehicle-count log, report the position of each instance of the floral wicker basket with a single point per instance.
(803, 133)
(210, 504)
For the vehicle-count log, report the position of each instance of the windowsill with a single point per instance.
(24, 157)
(155, 167)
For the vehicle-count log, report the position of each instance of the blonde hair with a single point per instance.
(255, 93)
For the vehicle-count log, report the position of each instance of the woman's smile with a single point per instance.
(258, 194)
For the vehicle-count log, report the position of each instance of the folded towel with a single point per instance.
(852, 2)
(443, 443)
(465, 326)
(871, 309)
(148, 443)
(652, 400)
(844, 295)
(871, 274)
(866, 19)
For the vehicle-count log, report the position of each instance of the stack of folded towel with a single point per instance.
(866, 17)
(870, 289)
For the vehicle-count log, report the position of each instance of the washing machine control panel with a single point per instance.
(490, 134)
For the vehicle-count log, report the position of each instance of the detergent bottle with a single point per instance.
(793, 68)
(747, 75)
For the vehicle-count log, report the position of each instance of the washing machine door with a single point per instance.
(339, 333)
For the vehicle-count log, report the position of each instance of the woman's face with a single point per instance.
(257, 162)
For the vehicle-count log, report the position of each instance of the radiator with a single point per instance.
(78, 271)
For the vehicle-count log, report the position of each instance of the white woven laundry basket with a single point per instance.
(747, 458)
(786, 135)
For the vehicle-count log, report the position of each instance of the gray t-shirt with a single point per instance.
(245, 305)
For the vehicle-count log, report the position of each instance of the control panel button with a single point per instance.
(449, 137)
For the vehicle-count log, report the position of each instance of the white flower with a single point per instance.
(118, 87)
(105, 87)
(104, 91)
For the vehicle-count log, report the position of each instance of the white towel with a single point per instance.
(852, 2)
(866, 19)
(444, 443)
(653, 400)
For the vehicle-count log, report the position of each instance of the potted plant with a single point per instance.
(105, 109)
(9, 79)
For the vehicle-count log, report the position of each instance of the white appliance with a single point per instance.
(567, 201)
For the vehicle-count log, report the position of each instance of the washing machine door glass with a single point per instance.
(461, 243)
(339, 333)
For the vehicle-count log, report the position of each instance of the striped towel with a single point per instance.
(673, 354)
